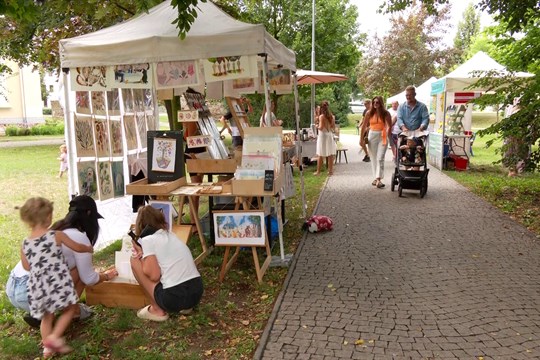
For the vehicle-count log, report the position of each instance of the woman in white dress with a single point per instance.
(326, 146)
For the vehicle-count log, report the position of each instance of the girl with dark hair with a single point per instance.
(379, 121)
(326, 146)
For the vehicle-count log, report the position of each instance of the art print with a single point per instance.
(188, 115)
(117, 169)
(173, 74)
(151, 121)
(113, 102)
(198, 141)
(82, 102)
(101, 131)
(148, 100)
(138, 100)
(88, 78)
(130, 127)
(84, 136)
(164, 155)
(98, 102)
(141, 129)
(86, 174)
(127, 101)
(166, 208)
(229, 67)
(243, 84)
(242, 228)
(130, 76)
(106, 190)
(115, 131)
(279, 80)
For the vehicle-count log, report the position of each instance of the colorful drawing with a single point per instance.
(86, 172)
(245, 228)
(141, 128)
(229, 67)
(88, 78)
(82, 102)
(171, 74)
(117, 168)
(84, 136)
(98, 102)
(130, 76)
(102, 137)
(130, 128)
(113, 102)
(106, 190)
(115, 130)
(198, 141)
(164, 156)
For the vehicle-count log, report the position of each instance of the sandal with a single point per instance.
(380, 185)
(374, 183)
(56, 345)
(145, 314)
(48, 353)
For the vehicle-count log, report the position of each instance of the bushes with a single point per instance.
(47, 111)
(48, 128)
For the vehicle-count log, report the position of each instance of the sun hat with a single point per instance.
(84, 202)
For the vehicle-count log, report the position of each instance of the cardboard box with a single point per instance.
(117, 294)
(141, 187)
(255, 187)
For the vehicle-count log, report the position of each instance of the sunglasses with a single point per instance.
(376, 102)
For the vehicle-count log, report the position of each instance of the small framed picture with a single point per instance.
(167, 208)
(239, 228)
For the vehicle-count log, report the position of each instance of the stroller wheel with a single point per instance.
(423, 189)
(400, 190)
(395, 181)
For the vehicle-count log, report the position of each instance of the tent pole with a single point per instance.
(267, 116)
(298, 146)
(312, 63)
(72, 173)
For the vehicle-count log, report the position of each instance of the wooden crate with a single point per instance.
(142, 187)
(255, 187)
(117, 294)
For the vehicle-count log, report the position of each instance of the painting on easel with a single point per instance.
(241, 228)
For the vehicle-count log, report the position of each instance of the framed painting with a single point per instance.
(84, 136)
(164, 155)
(239, 228)
(101, 131)
(117, 169)
(106, 189)
(167, 208)
(86, 174)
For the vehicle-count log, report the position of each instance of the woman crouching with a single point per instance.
(164, 267)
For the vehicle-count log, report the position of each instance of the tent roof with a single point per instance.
(151, 37)
(422, 93)
(462, 76)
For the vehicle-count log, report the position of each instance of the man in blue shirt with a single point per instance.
(412, 114)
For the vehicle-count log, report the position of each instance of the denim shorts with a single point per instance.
(17, 292)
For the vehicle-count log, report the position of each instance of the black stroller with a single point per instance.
(411, 163)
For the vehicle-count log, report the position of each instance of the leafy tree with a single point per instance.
(410, 53)
(467, 30)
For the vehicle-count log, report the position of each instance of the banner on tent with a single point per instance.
(229, 68)
(465, 97)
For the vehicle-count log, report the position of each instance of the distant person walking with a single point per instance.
(63, 158)
(364, 131)
(395, 129)
(326, 146)
(379, 121)
(413, 114)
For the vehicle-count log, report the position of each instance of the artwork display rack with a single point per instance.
(239, 114)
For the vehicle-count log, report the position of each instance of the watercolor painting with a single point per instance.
(138, 100)
(105, 181)
(127, 101)
(164, 156)
(115, 131)
(141, 128)
(88, 78)
(102, 137)
(229, 67)
(244, 228)
(130, 127)
(86, 173)
(98, 102)
(117, 168)
(113, 102)
(130, 76)
(82, 102)
(171, 74)
(84, 136)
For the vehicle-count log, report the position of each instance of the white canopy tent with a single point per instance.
(423, 93)
(458, 88)
(151, 38)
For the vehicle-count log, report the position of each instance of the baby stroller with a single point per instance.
(411, 163)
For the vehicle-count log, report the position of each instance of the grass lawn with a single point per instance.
(227, 324)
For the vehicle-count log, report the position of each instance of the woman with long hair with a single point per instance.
(326, 146)
(379, 121)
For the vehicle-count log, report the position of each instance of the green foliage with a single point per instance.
(47, 111)
(11, 130)
(467, 30)
(187, 13)
(47, 129)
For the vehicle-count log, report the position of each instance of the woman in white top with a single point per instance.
(164, 267)
(326, 146)
(272, 121)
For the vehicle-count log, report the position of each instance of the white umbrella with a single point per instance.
(306, 77)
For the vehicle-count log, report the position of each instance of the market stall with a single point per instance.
(112, 79)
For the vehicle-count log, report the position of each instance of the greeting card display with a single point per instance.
(165, 156)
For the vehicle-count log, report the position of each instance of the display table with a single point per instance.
(457, 147)
(309, 148)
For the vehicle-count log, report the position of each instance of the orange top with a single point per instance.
(376, 123)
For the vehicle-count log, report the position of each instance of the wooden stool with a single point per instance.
(338, 155)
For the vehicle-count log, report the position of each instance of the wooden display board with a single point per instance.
(239, 114)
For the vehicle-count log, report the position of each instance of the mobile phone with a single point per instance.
(134, 237)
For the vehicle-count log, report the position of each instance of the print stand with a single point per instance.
(165, 156)
(238, 113)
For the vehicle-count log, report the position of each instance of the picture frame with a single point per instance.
(239, 228)
(167, 208)
(177, 165)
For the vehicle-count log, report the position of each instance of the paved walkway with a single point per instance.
(444, 277)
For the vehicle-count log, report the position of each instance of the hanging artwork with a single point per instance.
(86, 173)
(174, 74)
(113, 102)
(148, 100)
(88, 78)
(82, 102)
(230, 67)
(98, 102)
(138, 99)
(151, 122)
(115, 131)
(117, 168)
(130, 76)
(84, 136)
(127, 100)
(141, 129)
(105, 180)
(198, 141)
(130, 128)
(164, 156)
(102, 137)
(278, 79)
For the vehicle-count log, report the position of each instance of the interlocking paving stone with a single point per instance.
(443, 277)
